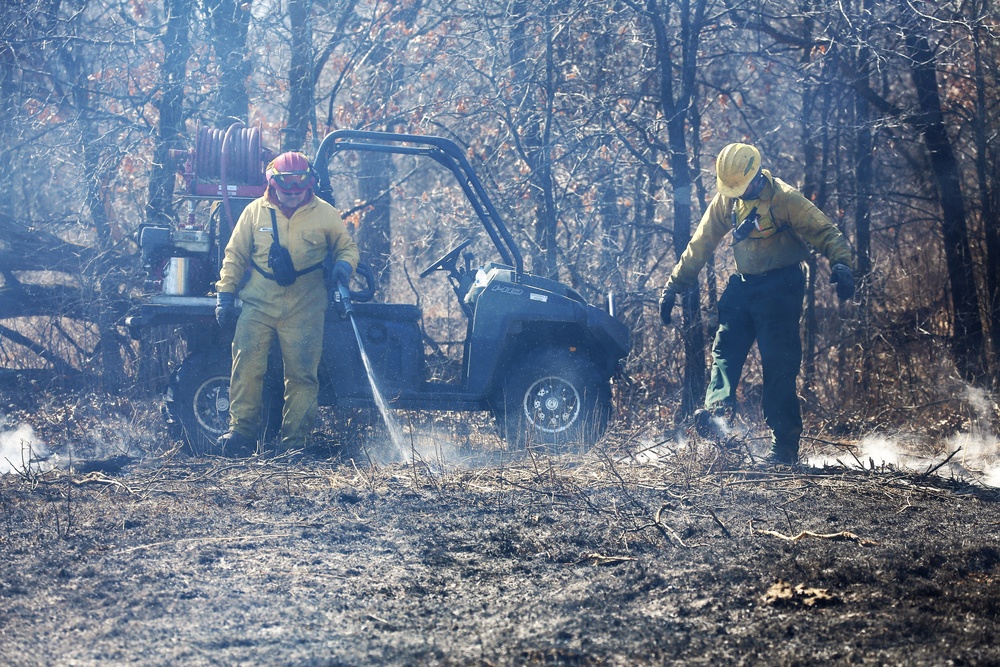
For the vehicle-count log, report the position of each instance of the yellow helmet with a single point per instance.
(735, 167)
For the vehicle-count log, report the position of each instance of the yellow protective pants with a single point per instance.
(300, 338)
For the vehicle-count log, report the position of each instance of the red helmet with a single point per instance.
(290, 172)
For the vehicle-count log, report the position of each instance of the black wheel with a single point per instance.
(553, 399)
(198, 402)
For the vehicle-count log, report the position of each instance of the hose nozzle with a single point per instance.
(342, 300)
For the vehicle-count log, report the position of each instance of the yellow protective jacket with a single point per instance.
(788, 221)
(314, 229)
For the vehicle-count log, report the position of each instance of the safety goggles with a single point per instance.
(293, 181)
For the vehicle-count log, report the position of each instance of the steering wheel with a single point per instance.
(449, 262)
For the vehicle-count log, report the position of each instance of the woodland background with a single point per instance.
(594, 124)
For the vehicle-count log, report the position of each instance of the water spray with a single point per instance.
(342, 301)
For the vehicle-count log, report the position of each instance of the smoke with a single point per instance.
(979, 455)
(878, 451)
(966, 456)
(972, 455)
(432, 446)
(21, 451)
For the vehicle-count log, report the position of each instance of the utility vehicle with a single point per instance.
(528, 349)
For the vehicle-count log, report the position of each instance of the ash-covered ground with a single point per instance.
(644, 551)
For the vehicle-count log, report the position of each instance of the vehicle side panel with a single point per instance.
(391, 337)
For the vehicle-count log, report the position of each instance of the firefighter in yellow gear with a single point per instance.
(772, 226)
(284, 300)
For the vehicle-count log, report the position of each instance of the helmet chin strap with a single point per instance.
(755, 187)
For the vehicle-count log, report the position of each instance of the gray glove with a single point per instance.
(342, 272)
(840, 274)
(667, 300)
(225, 309)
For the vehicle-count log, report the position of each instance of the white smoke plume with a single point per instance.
(973, 455)
(22, 451)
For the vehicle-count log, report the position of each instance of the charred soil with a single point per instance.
(688, 557)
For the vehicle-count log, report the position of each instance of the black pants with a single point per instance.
(766, 308)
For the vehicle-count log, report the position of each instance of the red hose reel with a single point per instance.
(224, 164)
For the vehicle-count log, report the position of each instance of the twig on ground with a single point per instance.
(665, 530)
(101, 478)
(842, 535)
(600, 559)
(725, 531)
(669, 534)
(940, 465)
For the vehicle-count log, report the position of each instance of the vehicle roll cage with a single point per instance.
(443, 151)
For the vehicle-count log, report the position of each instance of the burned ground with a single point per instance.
(689, 557)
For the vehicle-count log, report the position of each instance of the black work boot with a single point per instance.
(234, 443)
(782, 455)
(711, 424)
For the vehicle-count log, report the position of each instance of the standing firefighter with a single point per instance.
(770, 223)
(284, 236)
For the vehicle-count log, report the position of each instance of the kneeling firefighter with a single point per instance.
(284, 236)
(770, 223)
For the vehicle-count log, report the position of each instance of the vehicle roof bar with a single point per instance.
(443, 151)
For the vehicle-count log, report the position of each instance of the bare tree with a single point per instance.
(170, 105)
(968, 340)
(76, 121)
(597, 129)
(676, 43)
(229, 21)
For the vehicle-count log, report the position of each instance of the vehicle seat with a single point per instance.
(393, 312)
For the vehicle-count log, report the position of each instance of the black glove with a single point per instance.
(225, 309)
(841, 275)
(342, 272)
(667, 300)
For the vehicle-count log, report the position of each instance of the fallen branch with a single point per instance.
(100, 478)
(843, 535)
(600, 559)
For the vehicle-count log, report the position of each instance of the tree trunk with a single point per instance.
(675, 109)
(170, 133)
(300, 78)
(864, 181)
(374, 236)
(810, 189)
(229, 20)
(967, 336)
(988, 198)
(534, 135)
(98, 279)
